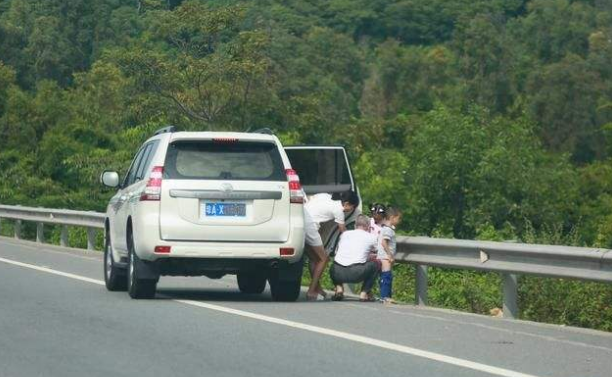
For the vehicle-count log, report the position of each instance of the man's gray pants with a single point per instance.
(355, 273)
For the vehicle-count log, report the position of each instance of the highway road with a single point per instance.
(57, 319)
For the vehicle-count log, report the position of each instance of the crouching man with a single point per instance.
(351, 263)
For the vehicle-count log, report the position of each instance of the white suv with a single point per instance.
(211, 203)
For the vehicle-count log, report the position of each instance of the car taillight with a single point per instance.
(296, 195)
(152, 190)
(163, 249)
(287, 251)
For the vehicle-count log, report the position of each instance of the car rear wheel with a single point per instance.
(286, 281)
(114, 277)
(138, 288)
(285, 290)
(251, 283)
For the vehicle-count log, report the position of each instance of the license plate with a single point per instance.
(224, 210)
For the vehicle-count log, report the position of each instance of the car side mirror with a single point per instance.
(110, 179)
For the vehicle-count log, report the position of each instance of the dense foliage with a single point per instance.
(487, 119)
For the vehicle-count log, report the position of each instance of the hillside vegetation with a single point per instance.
(486, 119)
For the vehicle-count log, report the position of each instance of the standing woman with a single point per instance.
(321, 208)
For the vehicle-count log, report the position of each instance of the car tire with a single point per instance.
(137, 287)
(251, 283)
(115, 278)
(287, 291)
(285, 284)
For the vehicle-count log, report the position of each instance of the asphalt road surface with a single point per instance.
(57, 319)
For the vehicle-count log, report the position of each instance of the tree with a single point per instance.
(485, 62)
(470, 170)
(206, 68)
(563, 99)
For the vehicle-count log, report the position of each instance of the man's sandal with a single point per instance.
(337, 297)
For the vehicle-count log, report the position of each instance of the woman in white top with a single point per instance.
(318, 209)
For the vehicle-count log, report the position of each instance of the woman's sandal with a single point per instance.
(314, 298)
(337, 297)
(322, 293)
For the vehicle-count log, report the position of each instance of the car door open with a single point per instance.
(322, 168)
(325, 169)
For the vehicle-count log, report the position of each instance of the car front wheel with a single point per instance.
(114, 277)
(251, 283)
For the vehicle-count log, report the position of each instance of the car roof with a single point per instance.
(211, 135)
(208, 135)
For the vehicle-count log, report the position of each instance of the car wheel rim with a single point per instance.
(131, 269)
(109, 262)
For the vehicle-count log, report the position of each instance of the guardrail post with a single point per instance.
(421, 285)
(40, 232)
(510, 283)
(18, 229)
(64, 236)
(91, 238)
(0, 226)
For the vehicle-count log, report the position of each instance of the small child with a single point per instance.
(377, 216)
(386, 252)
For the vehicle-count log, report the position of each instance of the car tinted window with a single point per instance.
(145, 164)
(319, 167)
(258, 161)
(133, 167)
(141, 165)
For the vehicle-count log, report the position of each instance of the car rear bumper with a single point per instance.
(146, 241)
(147, 236)
(216, 267)
(243, 250)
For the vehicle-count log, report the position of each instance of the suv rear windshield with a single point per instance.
(207, 159)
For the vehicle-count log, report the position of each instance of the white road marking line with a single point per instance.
(315, 329)
(54, 272)
(364, 340)
(429, 316)
(68, 252)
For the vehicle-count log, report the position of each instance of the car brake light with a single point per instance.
(286, 251)
(296, 195)
(163, 249)
(152, 190)
(225, 140)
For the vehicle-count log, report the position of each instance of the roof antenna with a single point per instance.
(265, 131)
(168, 129)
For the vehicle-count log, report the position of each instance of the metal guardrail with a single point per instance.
(509, 259)
(41, 216)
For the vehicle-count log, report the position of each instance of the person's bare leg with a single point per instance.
(318, 260)
(323, 267)
(311, 267)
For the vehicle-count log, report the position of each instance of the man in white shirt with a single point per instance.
(351, 264)
(318, 209)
